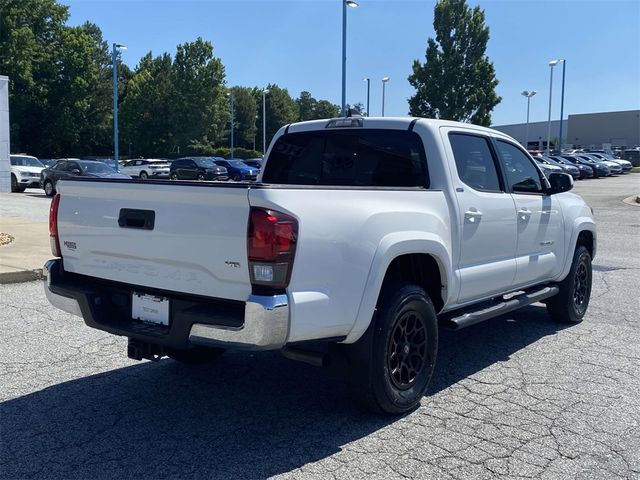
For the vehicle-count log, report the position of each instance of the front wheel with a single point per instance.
(173, 176)
(143, 176)
(393, 363)
(571, 302)
(200, 177)
(15, 188)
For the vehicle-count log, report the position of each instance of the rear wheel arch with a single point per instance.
(420, 269)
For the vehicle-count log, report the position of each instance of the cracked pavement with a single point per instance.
(515, 397)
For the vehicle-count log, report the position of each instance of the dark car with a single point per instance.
(253, 162)
(632, 155)
(197, 168)
(49, 177)
(48, 162)
(585, 171)
(570, 169)
(599, 169)
(238, 170)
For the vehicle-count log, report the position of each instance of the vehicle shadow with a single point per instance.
(246, 416)
(36, 195)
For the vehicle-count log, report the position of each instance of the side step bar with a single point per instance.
(458, 320)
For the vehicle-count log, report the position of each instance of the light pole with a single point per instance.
(384, 83)
(564, 66)
(232, 125)
(264, 122)
(114, 56)
(552, 64)
(345, 4)
(526, 134)
(368, 80)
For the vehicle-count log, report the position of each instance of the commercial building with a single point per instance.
(587, 130)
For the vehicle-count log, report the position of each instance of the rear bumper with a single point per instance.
(260, 323)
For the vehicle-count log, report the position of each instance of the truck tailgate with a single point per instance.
(193, 242)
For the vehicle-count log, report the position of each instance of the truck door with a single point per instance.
(486, 263)
(539, 252)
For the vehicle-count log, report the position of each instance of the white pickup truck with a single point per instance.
(361, 238)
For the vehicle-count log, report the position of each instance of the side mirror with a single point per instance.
(559, 182)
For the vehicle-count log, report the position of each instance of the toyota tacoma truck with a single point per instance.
(362, 237)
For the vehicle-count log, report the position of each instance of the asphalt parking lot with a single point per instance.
(515, 397)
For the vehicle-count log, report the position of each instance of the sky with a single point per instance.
(297, 45)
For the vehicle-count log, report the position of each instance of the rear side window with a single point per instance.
(474, 162)
(522, 175)
(354, 157)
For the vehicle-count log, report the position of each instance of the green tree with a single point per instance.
(245, 114)
(311, 109)
(281, 110)
(306, 106)
(148, 109)
(458, 81)
(30, 36)
(202, 107)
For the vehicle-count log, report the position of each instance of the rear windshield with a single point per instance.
(355, 157)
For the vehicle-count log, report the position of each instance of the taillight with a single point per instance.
(53, 226)
(271, 246)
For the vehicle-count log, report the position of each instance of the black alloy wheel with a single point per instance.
(571, 303)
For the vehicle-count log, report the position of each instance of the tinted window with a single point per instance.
(522, 175)
(474, 162)
(60, 166)
(355, 157)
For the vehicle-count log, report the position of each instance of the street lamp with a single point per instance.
(114, 55)
(552, 64)
(384, 82)
(368, 80)
(264, 122)
(230, 94)
(564, 66)
(526, 135)
(345, 4)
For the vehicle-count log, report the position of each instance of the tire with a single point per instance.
(173, 176)
(195, 355)
(236, 177)
(49, 189)
(200, 177)
(392, 364)
(15, 188)
(144, 176)
(572, 301)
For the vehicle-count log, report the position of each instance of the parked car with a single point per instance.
(363, 237)
(624, 164)
(197, 168)
(238, 170)
(25, 172)
(254, 163)
(584, 171)
(144, 168)
(614, 168)
(48, 162)
(599, 169)
(72, 168)
(632, 155)
(570, 169)
(547, 167)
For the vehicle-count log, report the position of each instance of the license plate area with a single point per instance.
(151, 309)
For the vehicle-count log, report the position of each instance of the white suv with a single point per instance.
(25, 172)
(145, 168)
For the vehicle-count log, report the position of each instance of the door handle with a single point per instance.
(524, 213)
(472, 214)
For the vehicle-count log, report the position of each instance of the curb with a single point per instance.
(633, 200)
(21, 276)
